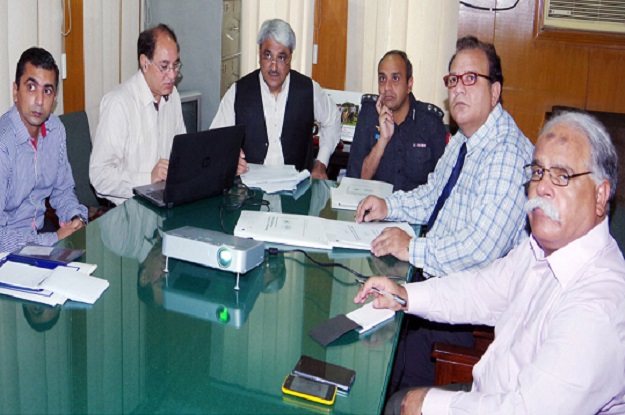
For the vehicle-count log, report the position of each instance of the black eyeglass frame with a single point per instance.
(555, 179)
(462, 78)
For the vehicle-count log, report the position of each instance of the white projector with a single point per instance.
(213, 249)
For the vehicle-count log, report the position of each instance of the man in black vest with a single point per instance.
(278, 106)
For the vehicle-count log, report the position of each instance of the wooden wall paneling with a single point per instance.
(537, 75)
(74, 84)
(331, 37)
(478, 23)
(606, 86)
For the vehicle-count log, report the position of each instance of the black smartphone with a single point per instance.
(321, 371)
(309, 389)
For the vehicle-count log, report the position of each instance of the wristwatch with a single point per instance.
(80, 218)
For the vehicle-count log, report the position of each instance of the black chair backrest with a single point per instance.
(79, 152)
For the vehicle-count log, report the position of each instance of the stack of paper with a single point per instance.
(51, 286)
(311, 231)
(351, 191)
(368, 317)
(272, 179)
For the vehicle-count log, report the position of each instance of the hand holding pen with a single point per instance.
(388, 294)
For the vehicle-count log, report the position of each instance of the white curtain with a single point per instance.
(28, 23)
(111, 29)
(298, 13)
(425, 29)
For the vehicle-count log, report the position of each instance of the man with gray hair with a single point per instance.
(557, 301)
(278, 107)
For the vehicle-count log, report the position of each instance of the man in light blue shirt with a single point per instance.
(483, 216)
(33, 159)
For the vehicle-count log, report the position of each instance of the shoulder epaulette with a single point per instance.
(369, 98)
(427, 107)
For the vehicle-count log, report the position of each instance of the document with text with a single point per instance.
(311, 231)
(351, 191)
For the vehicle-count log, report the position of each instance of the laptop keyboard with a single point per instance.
(156, 194)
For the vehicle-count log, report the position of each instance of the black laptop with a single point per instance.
(201, 165)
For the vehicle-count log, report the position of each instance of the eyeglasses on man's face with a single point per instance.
(281, 58)
(164, 67)
(468, 79)
(558, 175)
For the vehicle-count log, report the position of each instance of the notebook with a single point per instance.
(201, 165)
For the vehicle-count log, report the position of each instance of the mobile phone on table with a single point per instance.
(309, 389)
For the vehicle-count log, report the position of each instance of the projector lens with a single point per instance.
(224, 257)
(223, 316)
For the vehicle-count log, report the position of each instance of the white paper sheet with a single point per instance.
(310, 231)
(75, 285)
(351, 191)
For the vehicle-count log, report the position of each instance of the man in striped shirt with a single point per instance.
(33, 159)
(481, 219)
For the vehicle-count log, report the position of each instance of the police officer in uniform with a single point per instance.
(398, 139)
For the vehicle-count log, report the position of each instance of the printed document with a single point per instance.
(272, 179)
(351, 191)
(311, 231)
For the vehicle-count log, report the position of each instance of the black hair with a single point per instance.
(40, 326)
(39, 58)
(146, 45)
(495, 73)
(404, 57)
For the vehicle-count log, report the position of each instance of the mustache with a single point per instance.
(273, 73)
(545, 205)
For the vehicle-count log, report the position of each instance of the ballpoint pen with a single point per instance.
(394, 297)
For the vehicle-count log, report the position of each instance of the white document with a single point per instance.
(43, 296)
(360, 235)
(22, 275)
(310, 231)
(351, 191)
(75, 285)
(368, 317)
(272, 179)
(299, 230)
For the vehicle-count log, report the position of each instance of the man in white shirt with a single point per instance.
(138, 120)
(557, 301)
(278, 106)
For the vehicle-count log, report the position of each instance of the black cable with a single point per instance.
(276, 251)
(494, 9)
(238, 197)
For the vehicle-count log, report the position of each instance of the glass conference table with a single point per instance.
(187, 342)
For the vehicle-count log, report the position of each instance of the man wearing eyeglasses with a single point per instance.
(138, 120)
(557, 300)
(472, 203)
(278, 107)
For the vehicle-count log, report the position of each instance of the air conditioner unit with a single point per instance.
(588, 15)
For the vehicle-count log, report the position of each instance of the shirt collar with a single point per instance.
(21, 133)
(568, 260)
(483, 135)
(145, 94)
(265, 88)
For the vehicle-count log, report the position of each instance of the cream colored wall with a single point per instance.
(28, 23)
(425, 29)
(111, 29)
(300, 15)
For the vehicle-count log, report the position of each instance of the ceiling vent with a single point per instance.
(588, 15)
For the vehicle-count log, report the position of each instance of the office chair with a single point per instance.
(78, 152)
(454, 364)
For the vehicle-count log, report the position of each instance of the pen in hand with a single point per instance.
(386, 294)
